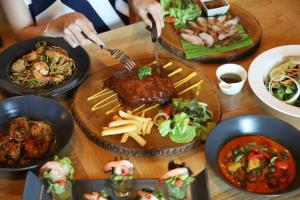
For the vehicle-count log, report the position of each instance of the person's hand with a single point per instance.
(74, 28)
(143, 7)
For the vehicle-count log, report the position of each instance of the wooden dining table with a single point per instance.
(280, 25)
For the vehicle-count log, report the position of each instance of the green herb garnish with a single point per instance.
(144, 72)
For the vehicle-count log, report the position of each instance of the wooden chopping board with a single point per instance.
(91, 122)
(170, 40)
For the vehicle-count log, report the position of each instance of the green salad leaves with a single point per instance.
(182, 11)
(191, 119)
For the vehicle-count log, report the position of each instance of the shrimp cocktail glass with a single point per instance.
(59, 174)
(122, 172)
(177, 180)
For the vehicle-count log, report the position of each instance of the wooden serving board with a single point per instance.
(91, 122)
(170, 40)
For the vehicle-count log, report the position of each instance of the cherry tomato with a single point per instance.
(168, 110)
(283, 180)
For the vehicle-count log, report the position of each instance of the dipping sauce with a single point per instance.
(257, 164)
(231, 78)
(214, 4)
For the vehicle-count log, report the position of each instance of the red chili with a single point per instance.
(281, 165)
(168, 110)
(259, 152)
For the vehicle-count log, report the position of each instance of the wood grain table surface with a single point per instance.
(280, 24)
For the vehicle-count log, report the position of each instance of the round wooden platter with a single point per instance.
(92, 122)
(170, 40)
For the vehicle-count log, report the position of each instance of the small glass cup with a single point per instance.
(66, 195)
(122, 186)
(177, 192)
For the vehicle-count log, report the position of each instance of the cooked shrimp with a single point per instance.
(32, 56)
(57, 171)
(175, 172)
(57, 54)
(121, 167)
(93, 196)
(146, 195)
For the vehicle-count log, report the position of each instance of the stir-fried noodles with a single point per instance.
(46, 66)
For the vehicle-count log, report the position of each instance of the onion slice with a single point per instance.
(158, 115)
(280, 78)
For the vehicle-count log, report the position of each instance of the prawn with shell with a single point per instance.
(44, 67)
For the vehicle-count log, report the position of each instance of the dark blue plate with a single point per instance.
(267, 126)
(36, 107)
(17, 50)
(35, 188)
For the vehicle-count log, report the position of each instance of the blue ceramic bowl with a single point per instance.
(36, 107)
(267, 126)
(17, 50)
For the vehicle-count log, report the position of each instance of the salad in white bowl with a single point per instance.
(274, 77)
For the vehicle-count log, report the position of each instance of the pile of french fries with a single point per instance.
(129, 125)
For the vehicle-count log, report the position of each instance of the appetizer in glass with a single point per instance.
(177, 180)
(59, 175)
(122, 172)
(150, 194)
(97, 196)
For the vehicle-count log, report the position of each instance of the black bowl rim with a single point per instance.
(68, 85)
(221, 177)
(5, 169)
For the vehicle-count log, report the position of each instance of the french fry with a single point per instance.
(116, 117)
(118, 130)
(141, 141)
(144, 126)
(130, 126)
(121, 122)
(149, 127)
(124, 138)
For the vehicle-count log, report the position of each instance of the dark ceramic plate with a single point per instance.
(41, 108)
(12, 53)
(35, 188)
(270, 127)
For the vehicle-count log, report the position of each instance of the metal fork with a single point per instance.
(122, 57)
(118, 54)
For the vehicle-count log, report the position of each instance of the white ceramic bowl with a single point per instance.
(259, 70)
(215, 11)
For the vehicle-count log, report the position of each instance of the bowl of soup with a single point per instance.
(255, 154)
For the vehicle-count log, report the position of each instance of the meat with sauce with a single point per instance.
(26, 140)
(133, 91)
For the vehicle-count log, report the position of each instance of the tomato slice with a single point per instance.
(168, 110)
(170, 19)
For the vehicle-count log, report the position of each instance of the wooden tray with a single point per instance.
(91, 122)
(170, 40)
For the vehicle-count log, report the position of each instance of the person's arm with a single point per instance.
(69, 26)
(143, 7)
(20, 20)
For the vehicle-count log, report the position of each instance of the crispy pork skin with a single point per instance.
(133, 91)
